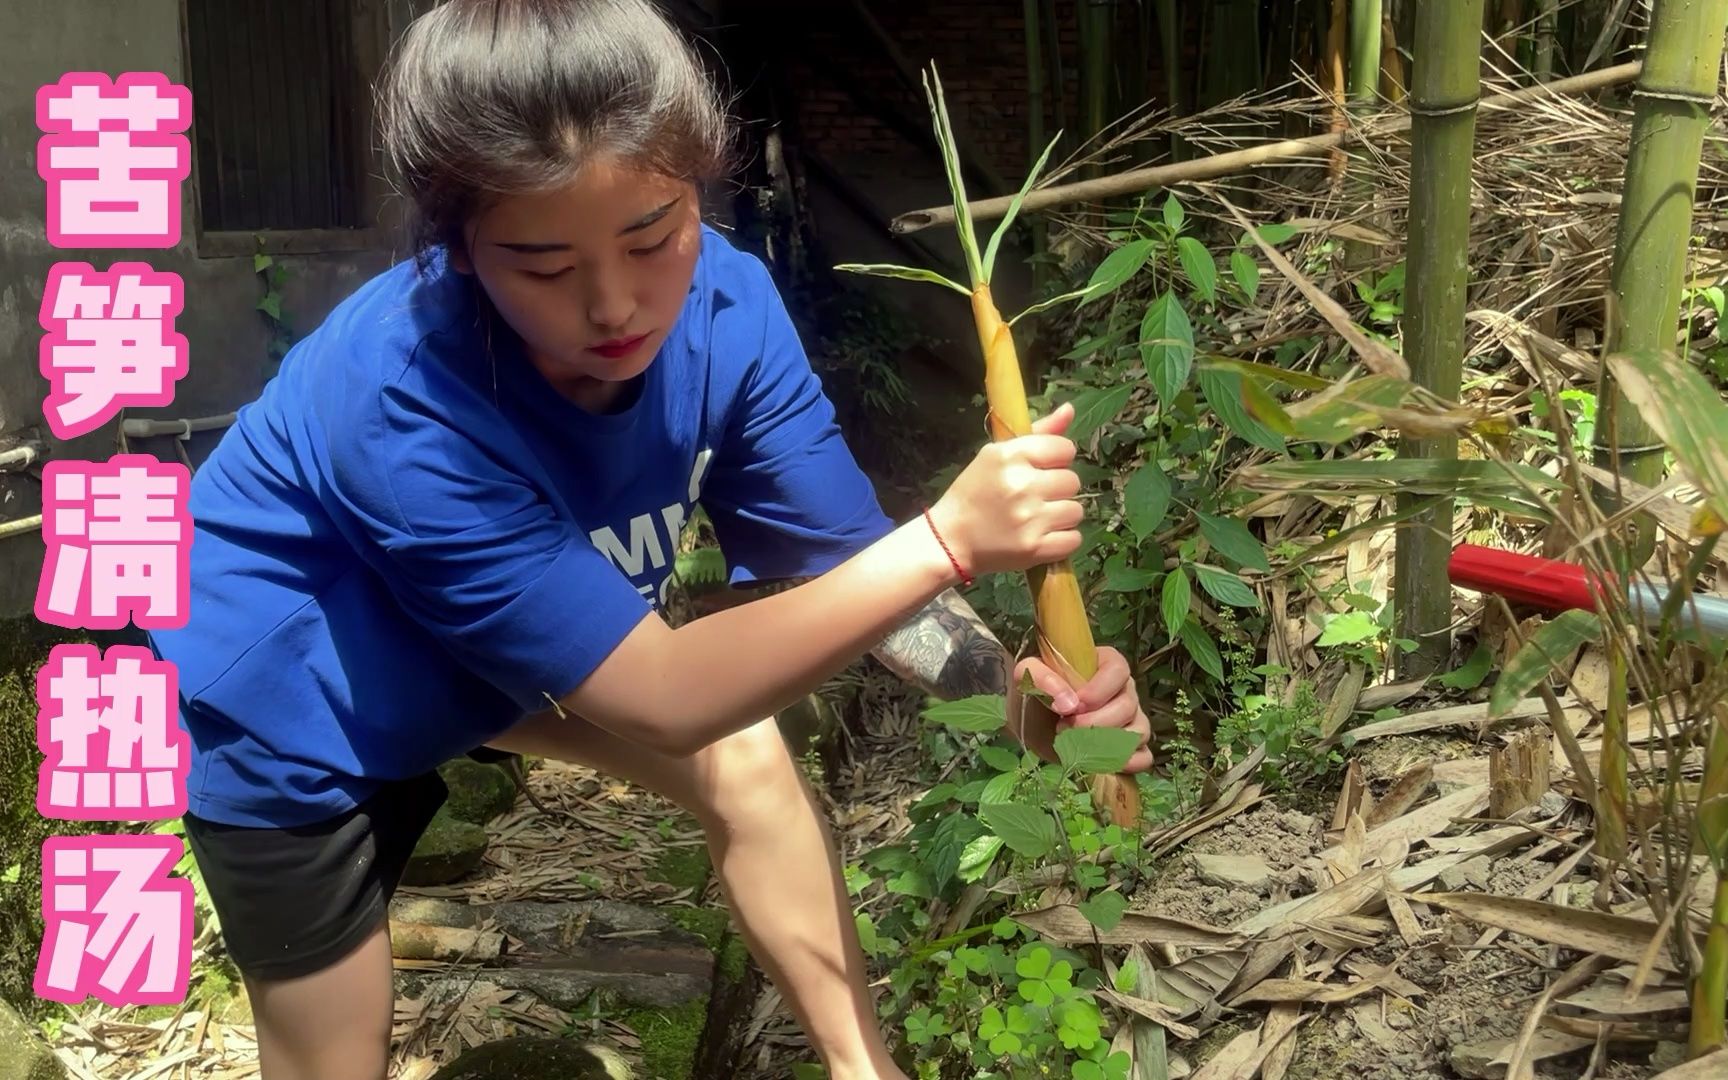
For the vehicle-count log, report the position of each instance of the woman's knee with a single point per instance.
(750, 775)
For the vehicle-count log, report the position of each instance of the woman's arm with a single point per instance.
(680, 690)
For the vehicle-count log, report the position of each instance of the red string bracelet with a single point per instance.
(958, 569)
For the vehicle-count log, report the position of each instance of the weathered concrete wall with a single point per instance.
(228, 337)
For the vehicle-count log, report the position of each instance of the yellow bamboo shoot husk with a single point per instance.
(1064, 631)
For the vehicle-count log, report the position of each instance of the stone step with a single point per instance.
(569, 950)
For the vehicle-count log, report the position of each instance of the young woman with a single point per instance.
(446, 524)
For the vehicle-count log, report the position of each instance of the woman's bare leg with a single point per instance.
(335, 1023)
(777, 864)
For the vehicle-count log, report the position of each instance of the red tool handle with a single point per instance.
(1525, 579)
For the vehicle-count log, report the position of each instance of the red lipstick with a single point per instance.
(618, 348)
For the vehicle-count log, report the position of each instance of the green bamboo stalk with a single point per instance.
(1169, 40)
(1710, 988)
(1444, 88)
(1671, 113)
(1233, 56)
(1033, 32)
(1097, 21)
(1547, 33)
(1614, 796)
(1365, 50)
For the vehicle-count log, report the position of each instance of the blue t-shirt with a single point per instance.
(410, 540)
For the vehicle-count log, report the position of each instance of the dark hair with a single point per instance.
(490, 98)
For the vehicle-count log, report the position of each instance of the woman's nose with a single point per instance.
(610, 305)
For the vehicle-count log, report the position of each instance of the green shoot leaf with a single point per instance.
(905, 273)
(1470, 676)
(956, 179)
(1246, 272)
(1174, 215)
(1014, 209)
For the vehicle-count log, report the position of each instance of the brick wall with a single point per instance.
(978, 48)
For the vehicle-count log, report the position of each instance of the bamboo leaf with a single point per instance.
(1167, 346)
(1064, 924)
(1246, 272)
(1686, 413)
(1201, 647)
(1096, 749)
(1096, 407)
(981, 713)
(1424, 476)
(1232, 539)
(1224, 392)
(1014, 208)
(1253, 372)
(1029, 830)
(1225, 587)
(1175, 599)
(1200, 267)
(1348, 409)
(1547, 648)
(905, 273)
(1585, 930)
(1146, 499)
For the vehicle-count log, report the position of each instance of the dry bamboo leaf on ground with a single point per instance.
(1474, 717)
(1164, 843)
(1709, 1067)
(1405, 793)
(1302, 991)
(1156, 1012)
(1385, 696)
(1405, 919)
(1226, 1063)
(1429, 821)
(1351, 792)
(1192, 987)
(1064, 924)
(1608, 999)
(1280, 1032)
(1617, 936)
(1487, 1059)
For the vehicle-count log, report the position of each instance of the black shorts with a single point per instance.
(294, 901)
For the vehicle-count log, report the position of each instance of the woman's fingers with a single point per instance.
(1057, 422)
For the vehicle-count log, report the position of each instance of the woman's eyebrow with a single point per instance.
(651, 217)
(636, 226)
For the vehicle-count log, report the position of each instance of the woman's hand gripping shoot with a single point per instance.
(1107, 700)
